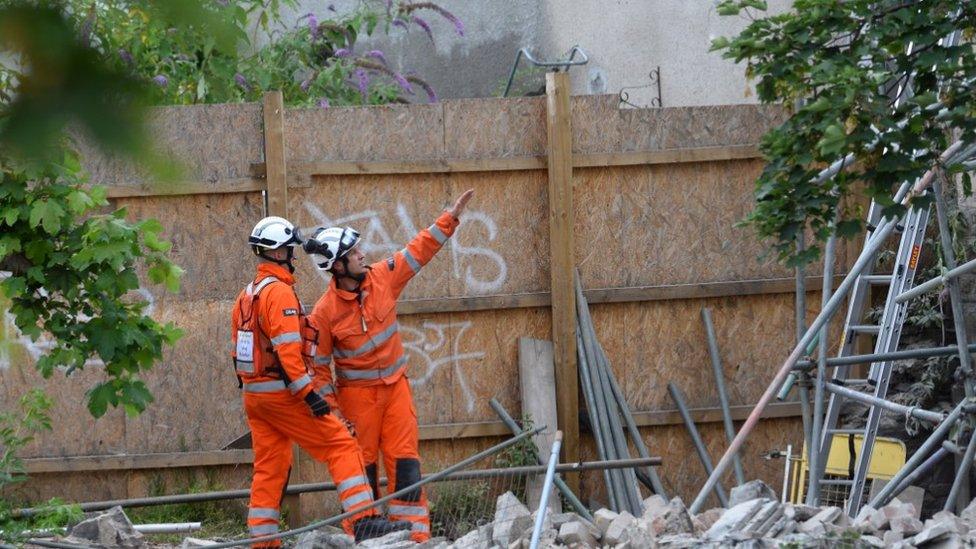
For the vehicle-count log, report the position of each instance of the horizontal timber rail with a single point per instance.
(449, 431)
(527, 470)
(609, 295)
(299, 172)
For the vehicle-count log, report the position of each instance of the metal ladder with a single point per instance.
(888, 333)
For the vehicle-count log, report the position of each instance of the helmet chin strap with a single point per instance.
(358, 278)
(287, 262)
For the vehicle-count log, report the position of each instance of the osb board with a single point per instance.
(490, 128)
(209, 236)
(209, 142)
(668, 224)
(600, 126)
(110, 485)
(197, 403)
(501, 246)
(682, 473)
(71, 487)
(652, 343)
(74, 432)
(388, 132)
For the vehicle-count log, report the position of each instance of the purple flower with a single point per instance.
(313, 25)
(401, 23)
(458, 25)
(362, 83)
(161, 80)
(431, 96)
(424, 25)
(126, 57)
(241, 81)
(306, 84)
(402, 82)
(389, 7)
(323, 103)
(343, 52)
(377, 54)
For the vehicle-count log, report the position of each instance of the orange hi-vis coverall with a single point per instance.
(277, 414)
(360, 331)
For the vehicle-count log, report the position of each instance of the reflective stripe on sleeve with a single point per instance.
(438, 234)
(287, 337)
(299, 384)
(414, 264)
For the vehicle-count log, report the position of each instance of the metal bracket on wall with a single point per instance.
(554, 65)
(655, 77)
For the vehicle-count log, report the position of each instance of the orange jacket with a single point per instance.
(359, 330)
(279, 336)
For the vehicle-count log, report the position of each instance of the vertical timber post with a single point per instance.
(276, 203)
(274, 154)
(562, 263)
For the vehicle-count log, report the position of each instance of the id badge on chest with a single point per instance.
(245, 346)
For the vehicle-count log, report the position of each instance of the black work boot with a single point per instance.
(377, 527)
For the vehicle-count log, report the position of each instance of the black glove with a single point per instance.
(318, 405)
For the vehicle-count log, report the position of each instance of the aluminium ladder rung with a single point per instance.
(877, 280)
(844, 431)
(837, 481)
(865, 328)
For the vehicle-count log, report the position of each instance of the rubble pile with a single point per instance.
(755, 518)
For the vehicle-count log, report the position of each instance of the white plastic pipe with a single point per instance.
(540, 514)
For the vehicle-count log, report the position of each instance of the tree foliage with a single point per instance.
(69, 262)
(858, 77)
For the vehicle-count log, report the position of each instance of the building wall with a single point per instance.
(625, 40)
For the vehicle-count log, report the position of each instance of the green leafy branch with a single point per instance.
(841, 68)
(73, 277)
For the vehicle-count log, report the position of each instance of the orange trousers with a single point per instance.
(386, 423)
(276, 420)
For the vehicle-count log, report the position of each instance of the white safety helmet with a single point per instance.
(328, 245)
(272, 233)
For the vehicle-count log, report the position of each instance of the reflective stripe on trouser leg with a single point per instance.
(272, 460)
(414, 512)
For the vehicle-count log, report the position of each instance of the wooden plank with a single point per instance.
(137, 461)
(274, 154)
(667, 156)
(538, 389)
(713, 414)
(609, 295)
(559, 134)
(448, 431)
(223, 186)
(511, 163)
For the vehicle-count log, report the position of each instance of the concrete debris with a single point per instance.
(326, 537)
(754, 489)
(110, 528)
(393, 540)
(512, 517)
(757, 523)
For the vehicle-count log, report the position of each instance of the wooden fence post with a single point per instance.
(562, 263)
(274, 154)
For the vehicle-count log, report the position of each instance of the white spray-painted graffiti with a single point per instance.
(13, 337)
(420, 350)
(377, 243)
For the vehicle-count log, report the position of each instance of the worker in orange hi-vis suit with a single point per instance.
(281, 407)
(358, 331)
